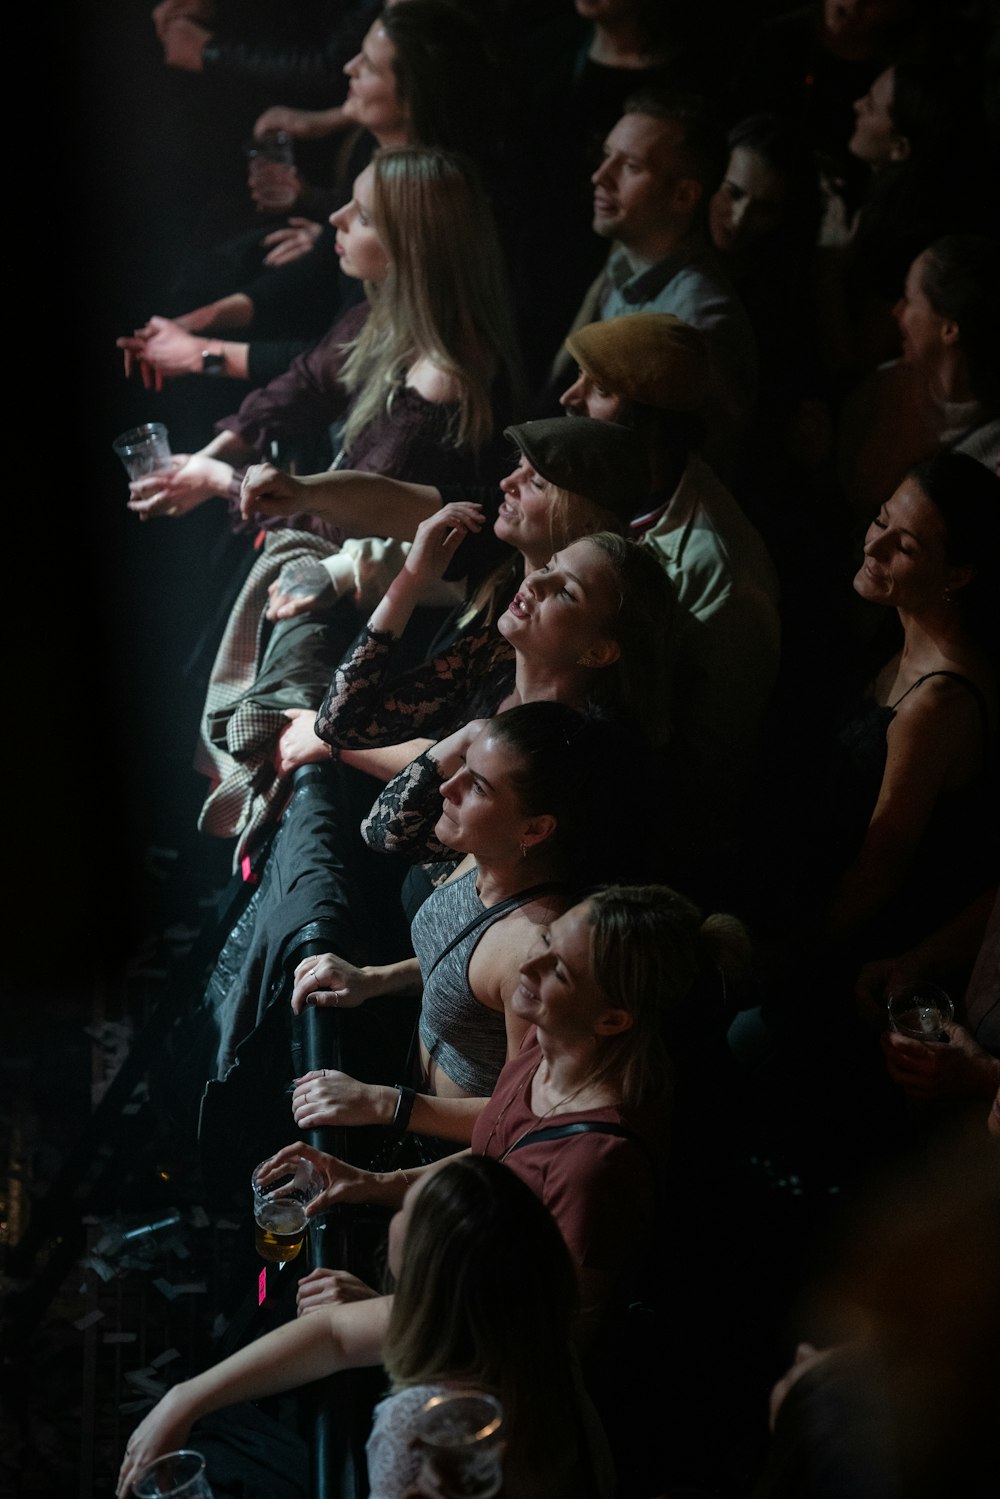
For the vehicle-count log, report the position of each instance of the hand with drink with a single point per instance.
(163, 1430)
(335, 1180)
(191, 479)
(954, 1066)
(281, 1196)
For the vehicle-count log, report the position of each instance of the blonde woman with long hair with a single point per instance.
(415, 382)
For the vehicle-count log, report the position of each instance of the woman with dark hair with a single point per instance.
(882, 841)
(943, 392)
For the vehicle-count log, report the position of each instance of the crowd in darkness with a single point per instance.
(568, 619)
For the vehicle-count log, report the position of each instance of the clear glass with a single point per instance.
(144, 449)
(175, 1475)
(920, 1011)
(279, 1208)
(461, 1435)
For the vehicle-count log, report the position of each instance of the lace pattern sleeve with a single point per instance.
(402, 817)
(367, 707)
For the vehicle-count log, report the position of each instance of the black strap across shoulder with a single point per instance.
(584, 1127)
(521, 898)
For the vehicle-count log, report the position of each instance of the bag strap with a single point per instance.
(520, 898)
(585, 1127)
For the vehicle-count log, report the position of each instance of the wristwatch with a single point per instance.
(212, 364)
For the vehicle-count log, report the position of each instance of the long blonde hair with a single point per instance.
(445, 297)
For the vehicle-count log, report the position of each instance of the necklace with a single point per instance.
(559, 1103)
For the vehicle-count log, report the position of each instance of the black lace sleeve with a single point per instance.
(402, 817)
(366, 706)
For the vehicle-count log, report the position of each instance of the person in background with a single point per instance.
(662, 161)
(943, 392)
(650, 371)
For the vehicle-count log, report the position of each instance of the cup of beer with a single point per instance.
(280, 1194)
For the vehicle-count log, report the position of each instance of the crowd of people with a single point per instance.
(605, 413)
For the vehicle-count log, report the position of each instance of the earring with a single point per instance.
(582, 661)
(946, 596)
(523, 849)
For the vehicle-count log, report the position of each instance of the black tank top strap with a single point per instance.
(984, 714)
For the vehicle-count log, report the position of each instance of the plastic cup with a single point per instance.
(175, 1475)
(144, 449)
(920, 1011)
(303, 577)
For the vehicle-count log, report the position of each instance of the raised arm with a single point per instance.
(360, 504)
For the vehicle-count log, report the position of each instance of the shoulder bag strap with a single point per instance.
(584, 1127)
(500, 909)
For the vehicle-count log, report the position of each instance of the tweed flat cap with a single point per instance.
(653, 358)
(602, 461)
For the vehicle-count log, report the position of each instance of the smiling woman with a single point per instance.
(887, 850)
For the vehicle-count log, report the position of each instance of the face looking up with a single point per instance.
(358, 245)
(562, 614)
(876, 139)
(373, 94)
(906, 565)
(924, 333)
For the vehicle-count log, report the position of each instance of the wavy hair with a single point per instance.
(445, 297)
(644, 628)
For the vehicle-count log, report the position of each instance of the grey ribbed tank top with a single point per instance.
(465, 1039)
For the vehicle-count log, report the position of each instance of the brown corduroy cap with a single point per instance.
(602, 461)
(653, 358)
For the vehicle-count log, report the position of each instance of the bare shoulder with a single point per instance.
(948, 697)
(433, 383)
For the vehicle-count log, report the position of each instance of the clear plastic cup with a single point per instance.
(175, 1475)
(144, 449)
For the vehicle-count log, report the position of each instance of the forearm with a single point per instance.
(224, 316)
(385, 763)
(325, 1342)
(230, 447)
(425, 1114)
(367, 504)
(395, 609)
(403, 977)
